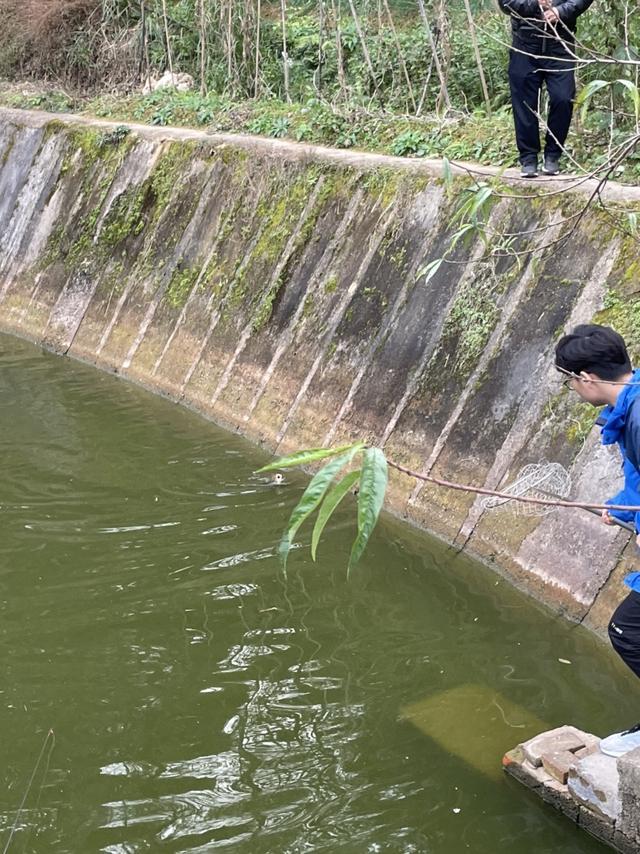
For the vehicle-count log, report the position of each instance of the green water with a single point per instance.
(199, 700)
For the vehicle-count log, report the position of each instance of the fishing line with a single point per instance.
(49, 735)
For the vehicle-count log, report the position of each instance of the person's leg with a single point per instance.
(525, 83)
(561, 87)
(624, 632)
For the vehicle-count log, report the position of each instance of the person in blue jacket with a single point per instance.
(597, 366)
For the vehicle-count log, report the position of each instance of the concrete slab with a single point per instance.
(473, 722)
(594, 783)
(563, 738)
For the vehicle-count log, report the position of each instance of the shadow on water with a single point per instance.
(202, 700)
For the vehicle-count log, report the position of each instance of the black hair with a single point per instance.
(594, 349)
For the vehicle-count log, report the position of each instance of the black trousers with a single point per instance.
(526, 76)
(624, 631)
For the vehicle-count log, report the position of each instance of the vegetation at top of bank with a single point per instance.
(399, 76)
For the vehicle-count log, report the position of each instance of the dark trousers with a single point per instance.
(624, 631)
(526, 76)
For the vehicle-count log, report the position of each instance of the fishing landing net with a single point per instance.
(536, 480)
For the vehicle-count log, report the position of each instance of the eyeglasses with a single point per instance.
(569, 376)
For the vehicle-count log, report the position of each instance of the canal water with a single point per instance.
(166, 688)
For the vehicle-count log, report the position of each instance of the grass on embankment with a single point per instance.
(475, 136)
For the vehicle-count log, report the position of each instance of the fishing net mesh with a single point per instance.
(536, 480)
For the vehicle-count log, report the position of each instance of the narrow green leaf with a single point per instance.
(588, 92)
(429, 270)
(313, 495)
(309, 455)
(481, 198)
(373, 485)
(446, 171)
(465, 229)
(634, 93)
(331, 501)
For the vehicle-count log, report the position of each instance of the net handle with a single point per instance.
(626, 525)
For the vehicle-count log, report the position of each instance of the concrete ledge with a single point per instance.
(597, 792)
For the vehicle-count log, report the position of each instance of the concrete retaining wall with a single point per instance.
(276, 289)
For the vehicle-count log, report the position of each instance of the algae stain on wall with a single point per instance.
(282, 297)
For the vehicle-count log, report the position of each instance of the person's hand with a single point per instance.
(607, 518)
(551, 16)
(544, 4)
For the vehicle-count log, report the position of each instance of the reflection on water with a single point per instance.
(201, 700)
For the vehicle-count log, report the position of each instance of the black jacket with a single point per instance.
(530, 31)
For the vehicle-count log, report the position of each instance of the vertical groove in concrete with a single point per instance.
(315, 280)
(390, 322)
(528, 416)
(415, 377)
(275, 275)
(217, 314)
(337, 315)
(194, 291)
(489, 350)
(161, 290)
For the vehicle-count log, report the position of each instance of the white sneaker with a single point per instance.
(621, 742)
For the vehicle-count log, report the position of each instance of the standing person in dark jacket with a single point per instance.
(542, 52)
(595, 361)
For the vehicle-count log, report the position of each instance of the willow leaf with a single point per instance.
(310, 455)
(313, 495)
(373, 485)
(588, 92)
(329, 504)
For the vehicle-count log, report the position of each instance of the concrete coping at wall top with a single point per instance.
(355, 159)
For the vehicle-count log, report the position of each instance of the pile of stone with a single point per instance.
(601, 794)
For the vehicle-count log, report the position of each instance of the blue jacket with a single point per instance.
(621, 425)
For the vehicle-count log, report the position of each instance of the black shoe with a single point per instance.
(551, 165)
(529, 170)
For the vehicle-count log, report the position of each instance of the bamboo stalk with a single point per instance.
(256, 82)
(403, 64)
(166, 33)
(444, 92)
(285, 55)
(363, 44)
(202, 26)
(476, 50)
(320, 39)
(229, 33)
(337, 17)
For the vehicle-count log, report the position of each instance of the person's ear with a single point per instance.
(585, 377)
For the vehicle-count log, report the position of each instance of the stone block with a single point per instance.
(589, 749)
(558, 763)
(625, 845)
(555, 740)
(514, 763)
(629, 770)
(594, 783)
(596, 825)
(554, 793)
